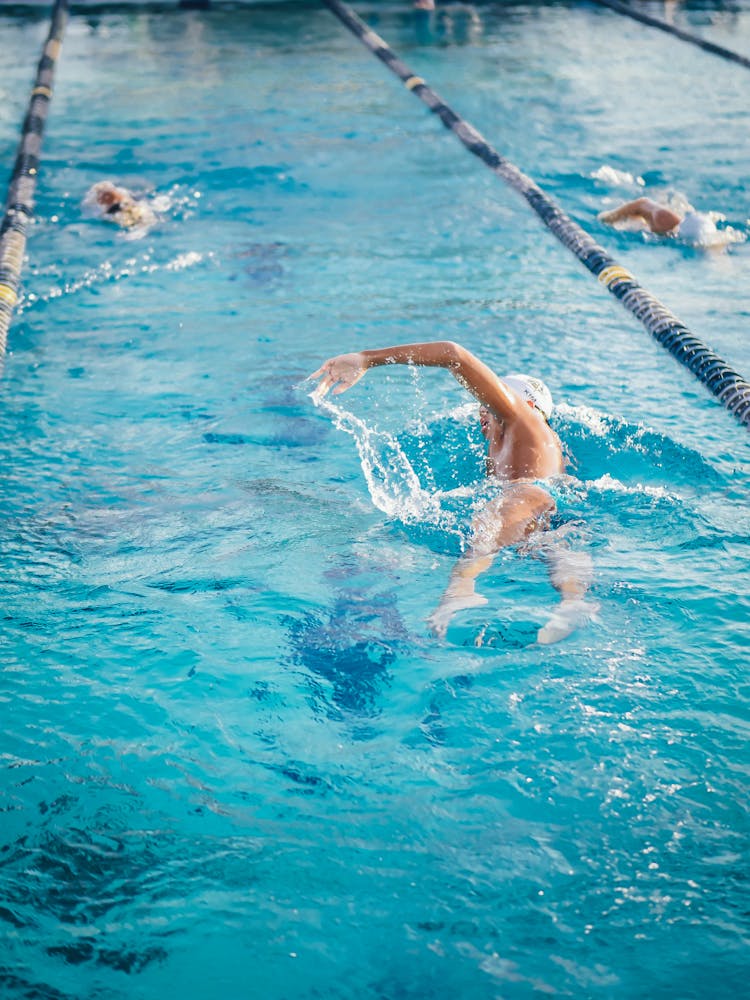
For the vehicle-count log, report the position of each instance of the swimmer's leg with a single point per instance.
(570, 574)
(507, 520)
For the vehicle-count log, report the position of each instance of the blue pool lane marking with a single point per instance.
(725, 383)
(19, 204)
(685, 36)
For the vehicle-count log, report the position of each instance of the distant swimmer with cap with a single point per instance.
(522, 449)
(117, 204)
(695, 228)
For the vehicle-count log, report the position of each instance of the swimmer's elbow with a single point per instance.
(456, 356)
(464, 365)
(443, 353)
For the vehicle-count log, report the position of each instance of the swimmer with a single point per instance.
(695, 228)
(522, 449)
(118, 205)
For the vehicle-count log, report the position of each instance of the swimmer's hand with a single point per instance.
(459, 596)
(441, 617)
(460, 593)
(339, 373)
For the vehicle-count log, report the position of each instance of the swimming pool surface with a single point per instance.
(235, 763)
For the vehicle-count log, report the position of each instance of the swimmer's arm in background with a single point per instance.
(345, 370)
(658, 218)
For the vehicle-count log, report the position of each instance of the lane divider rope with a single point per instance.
(19, 204)
(726, 384)
(672, 29)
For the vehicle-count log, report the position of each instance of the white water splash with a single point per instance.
(618, 178)
(594, 421)
(607, 483)
(184, 260)
(391, 480)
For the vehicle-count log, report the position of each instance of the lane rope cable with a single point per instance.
(19, 205)
(725, 383)
(686, 36)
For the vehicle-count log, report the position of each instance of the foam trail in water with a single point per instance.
(391, 480)
(107, 272)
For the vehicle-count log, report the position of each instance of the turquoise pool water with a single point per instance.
(234, 761)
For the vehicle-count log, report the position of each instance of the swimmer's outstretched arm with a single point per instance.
(658, 218)
(345, 370)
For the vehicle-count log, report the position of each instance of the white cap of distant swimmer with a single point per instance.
(532, 389)
(698, 229)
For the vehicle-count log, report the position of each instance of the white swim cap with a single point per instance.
(532, 389)
(698, 229)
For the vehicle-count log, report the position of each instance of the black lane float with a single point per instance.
(725, 383)
(19, 205)
(672, 29)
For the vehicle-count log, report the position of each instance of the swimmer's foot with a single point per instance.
(440, 618)
(566, 618)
